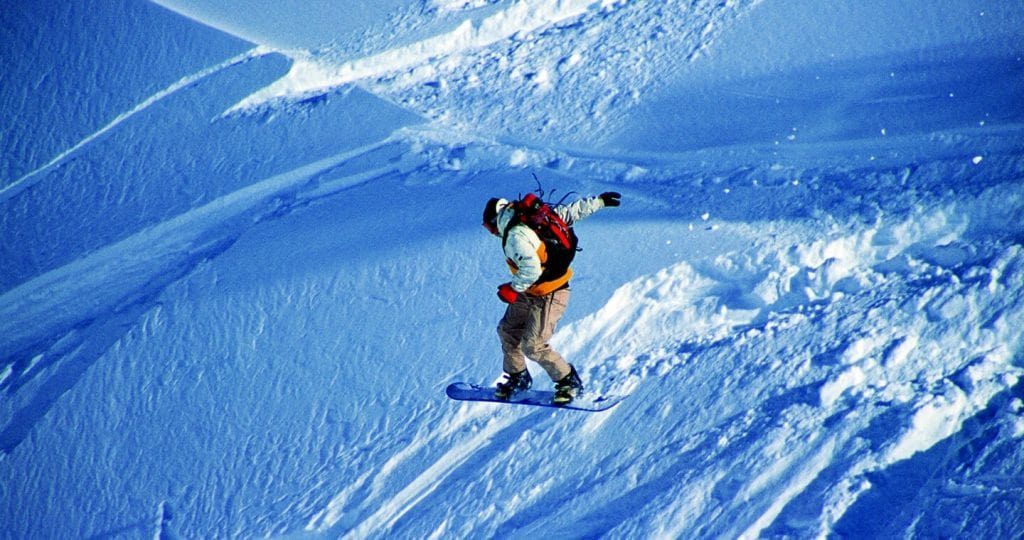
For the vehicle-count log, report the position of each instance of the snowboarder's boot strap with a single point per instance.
(514, 382)
(568, 387)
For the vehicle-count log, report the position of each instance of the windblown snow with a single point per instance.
(241, 258)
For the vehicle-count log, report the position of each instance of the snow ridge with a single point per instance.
(310, 75)
(525, 52)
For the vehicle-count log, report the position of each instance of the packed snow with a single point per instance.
(241, 259)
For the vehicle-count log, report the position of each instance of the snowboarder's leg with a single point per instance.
(544, 315)
(510, 331)
(568, 387)
(514, 382)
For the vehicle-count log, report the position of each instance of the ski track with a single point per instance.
(188, 233)
(800, 476)
(395, 506)
(122, 280)
(30, 179)
(491, 427)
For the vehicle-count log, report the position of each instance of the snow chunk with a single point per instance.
(457, 5)
(937, 419)
(899, 352)
(862, 348)
(1018, 428)
(542, 79)
(570, 62)
(1017, 424)
(833, 389)
(519, 158)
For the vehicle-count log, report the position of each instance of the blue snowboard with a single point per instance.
(542, 398)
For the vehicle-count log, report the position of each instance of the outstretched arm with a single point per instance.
(587, 206)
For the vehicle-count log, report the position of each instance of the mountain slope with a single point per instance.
(225, 315)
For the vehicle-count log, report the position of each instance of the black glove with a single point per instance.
(611, 198)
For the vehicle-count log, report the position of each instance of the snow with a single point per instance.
(309, 76)
(241, 258)
(24, 182)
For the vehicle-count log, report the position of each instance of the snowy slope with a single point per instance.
(241, 258)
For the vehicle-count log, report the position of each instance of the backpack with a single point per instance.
(559, 239)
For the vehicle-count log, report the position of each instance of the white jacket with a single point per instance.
(524, 249)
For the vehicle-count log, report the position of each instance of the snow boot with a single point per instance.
(514, 382)
(568, 387)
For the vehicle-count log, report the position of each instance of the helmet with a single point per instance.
(491, 210)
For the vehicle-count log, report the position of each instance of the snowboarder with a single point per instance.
(539, 245)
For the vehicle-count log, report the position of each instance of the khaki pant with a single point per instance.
(525, 330)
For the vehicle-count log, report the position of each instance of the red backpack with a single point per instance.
(558, 237)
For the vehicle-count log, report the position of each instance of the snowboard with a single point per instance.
(586, 401)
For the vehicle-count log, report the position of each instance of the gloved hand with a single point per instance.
(611, 198)
(507, 293)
